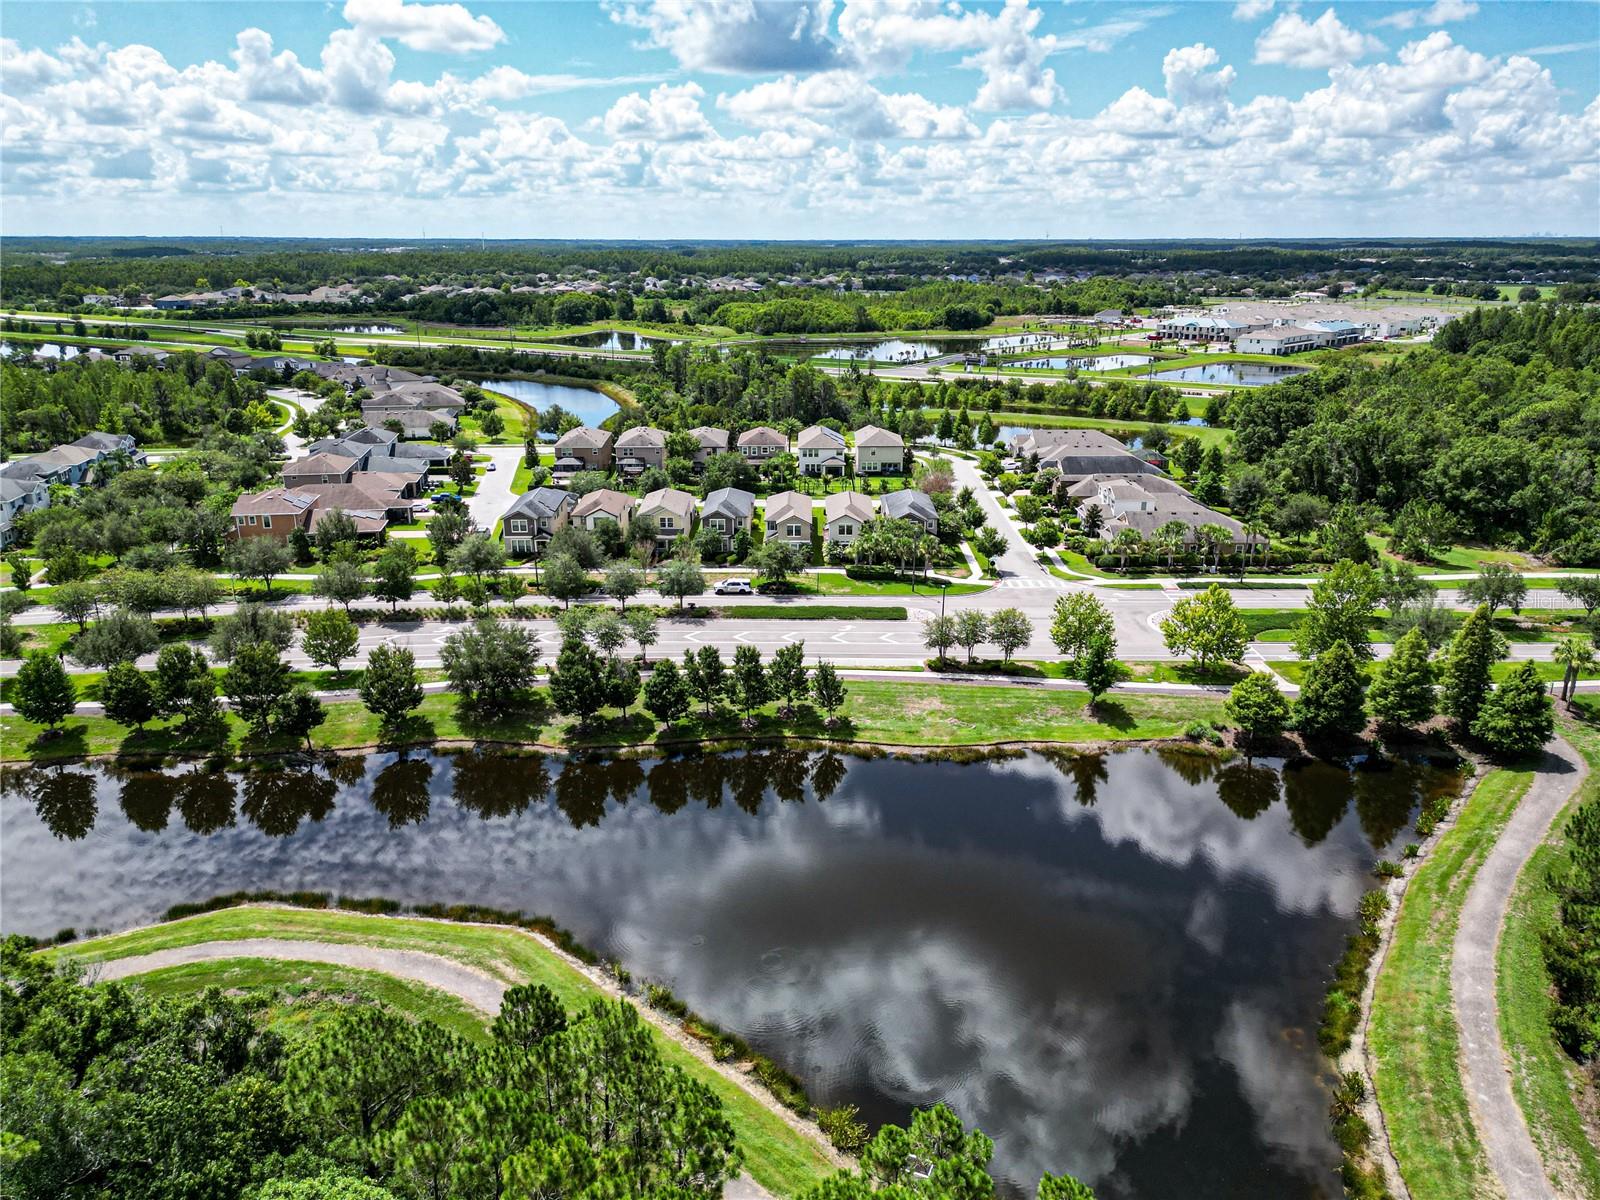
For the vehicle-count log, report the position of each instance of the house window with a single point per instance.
(794, 529)
(252, 520)
(519, 527)
(847, 530)
(717, 524)
(266, 521)
(666, 523)
(239, 521)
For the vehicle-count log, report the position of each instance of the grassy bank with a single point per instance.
(1414, 1039)
(876, 712)
(1544, 1080)
(777, 1155)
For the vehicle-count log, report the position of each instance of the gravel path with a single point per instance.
(1485, 1073)
(482, 991)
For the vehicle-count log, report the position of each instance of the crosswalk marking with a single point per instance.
(1017, 581)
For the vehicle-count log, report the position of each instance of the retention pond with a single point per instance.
(1113, 965)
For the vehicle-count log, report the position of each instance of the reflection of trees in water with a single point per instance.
(1386, 792)
(64, 800)
(146, 798)
(346, 770)
(1086, 771)
(277, 801)
(1247, 790)
(827, 773)
(400, 791)
(498, 785)
(1194, 767)
(788, 771)
(1317, 796)
(205, 799)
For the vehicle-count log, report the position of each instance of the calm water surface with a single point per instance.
(1085, 362)
(1248, 374)
(614, 339)
(589, 405)
(1113, 965)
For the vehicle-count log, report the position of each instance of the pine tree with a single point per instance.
(1468, 666)
(1330, 698)
(1517, 717)
(1402, 686)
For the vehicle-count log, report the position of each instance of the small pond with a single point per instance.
(1112, 964)
(41, 349)
(1083, 362)
(384, 329)
(589, 405)
(614, 339)
(894, 350)
(1245, 374)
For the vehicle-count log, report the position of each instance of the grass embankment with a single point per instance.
(777, 1155)
(1414, 1038)
(1544, 1080)
(876, 712)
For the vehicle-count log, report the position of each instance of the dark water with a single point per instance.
(614, 339)
(589, 405)
(1247, 374)
(1113, 965)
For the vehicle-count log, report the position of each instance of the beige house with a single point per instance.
(843, 515)
(820, 451)
(789, 519)
(639, 449)
(673, 512)
(762, 443)
(319, 468)
(589, 449)
(601, 506)
(879, 451)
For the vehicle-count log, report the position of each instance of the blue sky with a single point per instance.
(754, 118)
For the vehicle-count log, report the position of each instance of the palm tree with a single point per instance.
(1215, 539)
(1169, 539)
(1128, 541)
(1576, 655)
(1255, 527)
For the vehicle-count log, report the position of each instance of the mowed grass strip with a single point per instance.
(1414, 1037)
(1544, 1080)
(877, 712)
(776, 1155)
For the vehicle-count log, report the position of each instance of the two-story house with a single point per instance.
(761, 443)
(672, 510)
(789, 518)
(821, 451)
(708, 441)
(583, 449)
(640, 448)
(602, 505)
(727, 511)
(879, 451)
(534, 516)
(843, 515)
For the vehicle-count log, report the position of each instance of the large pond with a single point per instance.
(589, 405)
(893, 350)
(367, 329)
(1113, 965)
(1245, 374)
(41, 349)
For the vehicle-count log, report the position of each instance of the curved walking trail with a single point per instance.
(1485, 1075)
(473, 987)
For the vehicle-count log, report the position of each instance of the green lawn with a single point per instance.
(777, 1156)
(302, 993)
(1543, 1078)
(876, 713)
(1414, 1038)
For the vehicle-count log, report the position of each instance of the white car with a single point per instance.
(490, 467)
(734, 587)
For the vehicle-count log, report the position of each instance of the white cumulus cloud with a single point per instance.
(1293, 41)
(437, 28)
(1441, 12)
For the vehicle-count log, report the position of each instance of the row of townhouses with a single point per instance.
(25, 482)
(820, 451)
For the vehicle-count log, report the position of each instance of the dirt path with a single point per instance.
(482, 991)
(1485, 1074)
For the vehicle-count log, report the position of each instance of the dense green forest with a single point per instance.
(1495, 430)
(159, 405)
(38, 269)
(110, 1092)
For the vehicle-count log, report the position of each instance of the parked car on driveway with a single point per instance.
(734, 587)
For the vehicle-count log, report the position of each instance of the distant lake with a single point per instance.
(888, 350)
(1085, 362)
(367, 329)
(42, 349)
(614, 339)
(1246, 374)
(589, 405)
